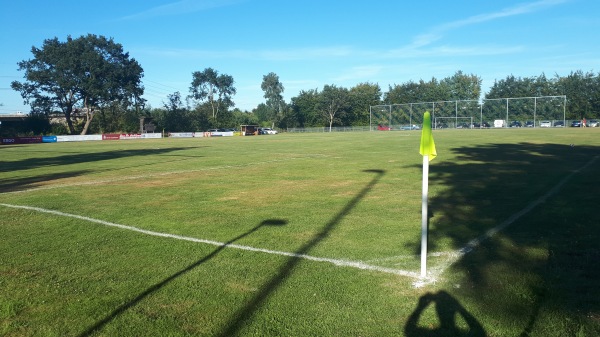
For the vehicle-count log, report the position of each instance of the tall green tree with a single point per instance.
(583, 93)
(273, 90)
(412, 92)
(214, 88)
(334, 103)
(512, 86)
(463, 86)
(305, 109)
(362, 96)
(80, 75)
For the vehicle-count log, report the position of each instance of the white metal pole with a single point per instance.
(424, 216)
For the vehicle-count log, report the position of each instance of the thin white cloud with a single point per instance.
(438, 32)
(180, 7)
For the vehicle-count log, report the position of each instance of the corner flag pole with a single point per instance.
(428, 152)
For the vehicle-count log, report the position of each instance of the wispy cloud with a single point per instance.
(180, 7)
(438, 32)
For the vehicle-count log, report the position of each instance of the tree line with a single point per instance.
(97, 88)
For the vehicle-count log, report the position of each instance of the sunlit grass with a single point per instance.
(352, 197)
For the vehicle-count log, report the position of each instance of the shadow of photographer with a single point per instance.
(454, 319)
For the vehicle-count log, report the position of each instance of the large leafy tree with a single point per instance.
(273, 90)
(583, 93)
(463, 86)
(334, 102)
(362, 96)
(305, 109)
(80, 75)
(411, 92)
(208, 86)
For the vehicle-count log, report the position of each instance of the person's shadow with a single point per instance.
(448, 310)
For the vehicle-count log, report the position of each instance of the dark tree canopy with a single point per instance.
(79, 75)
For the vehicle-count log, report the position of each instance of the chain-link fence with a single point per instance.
(500, 112)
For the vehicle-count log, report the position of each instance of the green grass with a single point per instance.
(346, 196)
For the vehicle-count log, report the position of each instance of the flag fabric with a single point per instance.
(427, 144)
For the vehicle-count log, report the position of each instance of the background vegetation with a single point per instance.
(93, 76)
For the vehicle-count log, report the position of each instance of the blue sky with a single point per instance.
(310, 43)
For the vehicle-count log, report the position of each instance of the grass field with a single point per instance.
(302, 235)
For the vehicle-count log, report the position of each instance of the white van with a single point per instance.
(499, 123)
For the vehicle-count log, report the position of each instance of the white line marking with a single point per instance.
(337, 262)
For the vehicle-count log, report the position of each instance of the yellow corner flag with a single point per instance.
(427, 144)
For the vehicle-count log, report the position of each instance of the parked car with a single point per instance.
(515, 124)
(576, 124)
(482, 125)
(545, 124)
(410, 127)
(592, 123)
(559, 124)
(529, 124)
(267, 131)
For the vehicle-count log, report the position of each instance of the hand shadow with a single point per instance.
(447, 309)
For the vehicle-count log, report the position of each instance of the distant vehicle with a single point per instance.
(383, 128)
(559, 124)
(268, 131)
(410, 127)
(482, 125)
(576, 124)
(529, 124)
(515, 124)
(545, 124)
(592, 123)
(499, 123)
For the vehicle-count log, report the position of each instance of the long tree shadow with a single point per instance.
(245, 313)
(22, 184)
(131, 303)
(544, 259)
(79, 158)
(449, 312)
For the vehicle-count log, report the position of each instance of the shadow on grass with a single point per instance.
(21, 184)
(540, 273)
(244, 314)
(450, 315)
(79, 158)
(120, 310)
